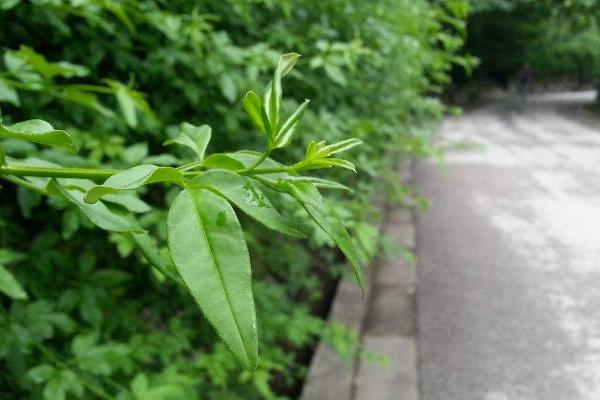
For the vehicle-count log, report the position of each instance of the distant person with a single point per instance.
(525, 80)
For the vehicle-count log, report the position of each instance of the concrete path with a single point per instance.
(508, 294)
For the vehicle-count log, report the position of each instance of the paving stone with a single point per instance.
(391, 312)
(396, 271)
(329, 378)
(400, 215)
(395, 381)
(386, 319)
(348, 305)
(326, 366)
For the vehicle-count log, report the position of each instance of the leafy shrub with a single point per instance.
(120, 77)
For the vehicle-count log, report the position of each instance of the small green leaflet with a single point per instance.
(248, 197)
(318, 182)
(286, 133)
(8, 284)
(38, 131)
(8, 94)
(308, 195)
(130, 102)
(273, 94)
(254, 108)
(223, 161)
(208, 249)
(146, 244)
(194, 137)
(134, 178)
(98, 213)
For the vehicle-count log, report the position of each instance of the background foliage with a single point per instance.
(560, 39)
(95, 321)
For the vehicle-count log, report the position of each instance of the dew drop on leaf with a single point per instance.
(253, 197)
(221, 218)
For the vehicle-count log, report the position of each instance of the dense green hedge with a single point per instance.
(558, 39)
(122, 76)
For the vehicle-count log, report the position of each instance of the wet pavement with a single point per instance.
(508, 298)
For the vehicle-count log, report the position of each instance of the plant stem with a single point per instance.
(260, 171)
(82, 173)
(24, 183)
(262, 158)
(7, 172)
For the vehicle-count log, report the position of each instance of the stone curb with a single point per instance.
(385, 321)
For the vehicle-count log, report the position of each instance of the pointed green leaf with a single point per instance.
(286, 133)
(287, 62)
(273, 94)
(208, 249)
(98, 213)
(253, 106)
(223, 161)
(38, 131)
(8, 256)
(127, 105)
(8, 94)
(10, 286)
(134, 178)
(248, 197)
(194, 137)
(326, 218)
(338, 162)
(325, 163)
(129, 201)
(318, 182)
(342, 146)
(146, 244)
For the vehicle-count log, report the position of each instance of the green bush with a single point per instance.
(558, 39)
(86, 317)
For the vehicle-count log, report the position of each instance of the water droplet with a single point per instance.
(221, 218)
(254, 197)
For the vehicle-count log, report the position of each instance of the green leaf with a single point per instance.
(325, 163)
(8, 94)
(318, 182)
(98, 213)
(8, 256)
(286, 63)
(223, 161)
(342, 146)
(208, 249)
(40, 373)
(134, 178)
(38, 131)
(273, 93)
(253, 106)
(326, 218)
(55, 388)
(228, 87)
(10, 286)
(135, 153)
(128, 201)
(127, 105)
(286, 133)
(146, 244)
(130, 101)
(248, 197)
(86, 99)
(338, 162)
(194, 137)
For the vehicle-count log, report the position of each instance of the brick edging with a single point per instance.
(385, 321)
